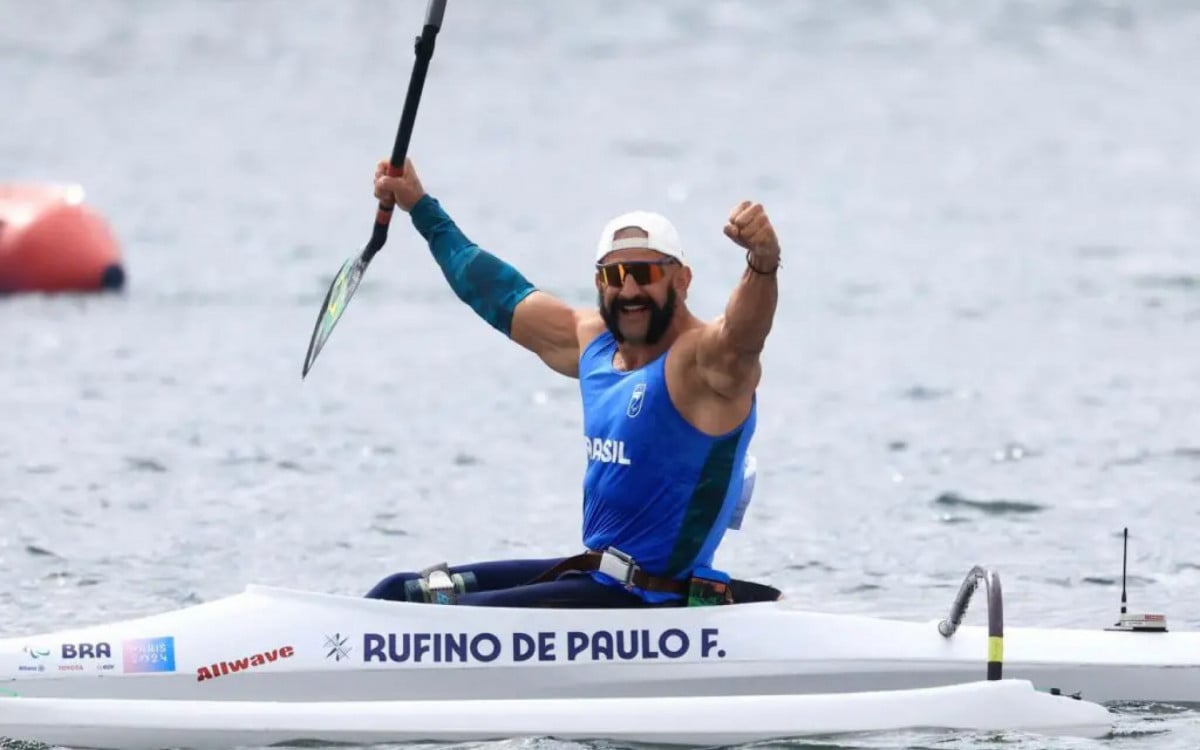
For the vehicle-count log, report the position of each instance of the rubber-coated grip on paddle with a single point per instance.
(383, 215)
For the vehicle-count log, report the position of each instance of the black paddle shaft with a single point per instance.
(351, 272)
(423, 49)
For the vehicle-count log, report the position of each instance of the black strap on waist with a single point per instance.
(590, 560)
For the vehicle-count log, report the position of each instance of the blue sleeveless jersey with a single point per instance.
(655, 488)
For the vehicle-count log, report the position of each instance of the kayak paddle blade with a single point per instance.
(336, 299)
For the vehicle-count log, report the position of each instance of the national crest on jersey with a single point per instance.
(636, 400)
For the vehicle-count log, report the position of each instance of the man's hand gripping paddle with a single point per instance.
(352, 270)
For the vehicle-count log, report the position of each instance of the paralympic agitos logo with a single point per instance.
(245, 663)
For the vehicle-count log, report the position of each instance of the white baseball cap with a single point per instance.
(661, 235)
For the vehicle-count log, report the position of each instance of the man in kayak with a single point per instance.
(669, 407)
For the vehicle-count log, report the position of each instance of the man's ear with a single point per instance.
(682, 281)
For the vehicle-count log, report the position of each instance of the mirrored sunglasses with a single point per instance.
(643, 271)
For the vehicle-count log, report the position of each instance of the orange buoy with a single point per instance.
(51, 242)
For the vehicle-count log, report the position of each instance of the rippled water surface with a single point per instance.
(987, 348)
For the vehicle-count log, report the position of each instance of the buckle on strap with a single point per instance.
(439, 585)
(615, 563)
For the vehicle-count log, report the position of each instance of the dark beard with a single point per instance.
(660, 317)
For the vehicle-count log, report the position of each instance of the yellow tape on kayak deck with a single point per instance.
(995, 648)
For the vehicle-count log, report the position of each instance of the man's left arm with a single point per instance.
(727, 352)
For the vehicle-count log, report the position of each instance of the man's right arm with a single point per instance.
(499, 293)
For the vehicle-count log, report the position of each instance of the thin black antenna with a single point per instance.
(1124, 562)
(1144, 623)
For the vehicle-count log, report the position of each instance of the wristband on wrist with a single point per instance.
(759, 271)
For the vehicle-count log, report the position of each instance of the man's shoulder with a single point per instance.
(694, 332)
(588, 326)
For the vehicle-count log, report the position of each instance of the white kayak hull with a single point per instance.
(152, 724)
(269, 644)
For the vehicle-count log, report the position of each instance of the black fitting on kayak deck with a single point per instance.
(995, 610)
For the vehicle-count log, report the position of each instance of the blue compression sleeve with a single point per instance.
(489, 285)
